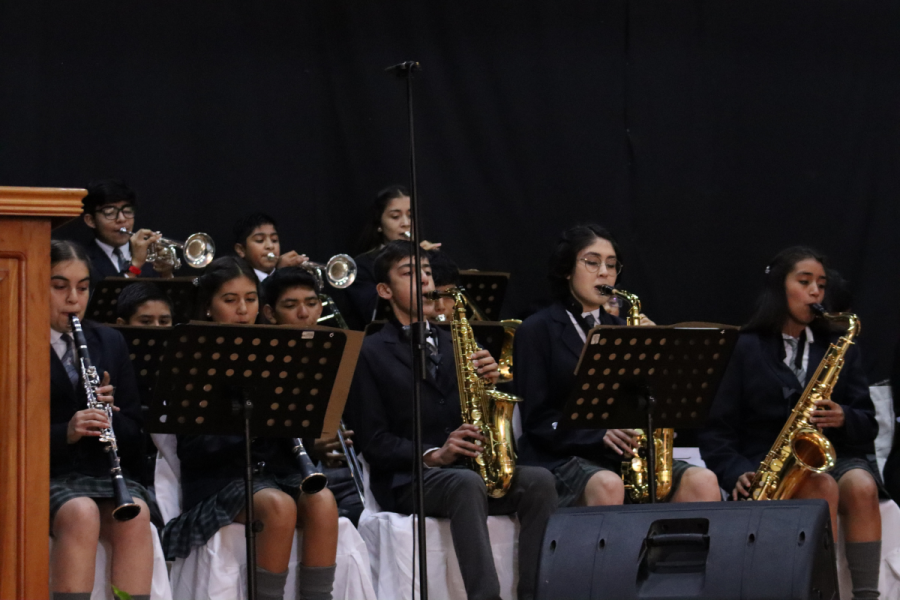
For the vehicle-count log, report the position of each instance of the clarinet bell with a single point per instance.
(313, 483)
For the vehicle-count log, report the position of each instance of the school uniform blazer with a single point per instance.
(546, 351)
(379, 408)
(87, 456)
(892, 465)
(758, 393)
(102, 267)
(362, 293)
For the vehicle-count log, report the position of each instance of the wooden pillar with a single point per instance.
(26, 218)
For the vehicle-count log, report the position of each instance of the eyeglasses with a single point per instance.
(112, 212)
(593, 266)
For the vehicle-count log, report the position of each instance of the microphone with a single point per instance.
(409, 66)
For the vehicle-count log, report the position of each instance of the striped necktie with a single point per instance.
(123, 264)
(68, 360)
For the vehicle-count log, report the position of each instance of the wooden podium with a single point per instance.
(26, 218)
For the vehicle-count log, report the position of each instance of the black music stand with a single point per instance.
(255, 381)
(180, 290)
(146, 346)
(486, 289)
(658, 377)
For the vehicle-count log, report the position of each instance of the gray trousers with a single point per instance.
(460, 495)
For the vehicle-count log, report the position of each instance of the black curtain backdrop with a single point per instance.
(707, 135)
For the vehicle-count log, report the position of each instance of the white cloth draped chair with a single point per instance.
(389, 537)
(159, 585)
(218, 570)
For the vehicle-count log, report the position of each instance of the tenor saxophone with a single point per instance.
(801, 449)
(482, 404)
(635, 471)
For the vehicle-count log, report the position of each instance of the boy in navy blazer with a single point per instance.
(380, 410)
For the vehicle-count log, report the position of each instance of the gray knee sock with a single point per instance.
(316, 582)
(864, 560)
(270, 586)
(71, 596)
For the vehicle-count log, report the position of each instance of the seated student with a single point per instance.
(446, 276)
(586, 462)
(256, 241)
(777, 353)
(379, 409)
(212, 468)
(390, 219)
(143, 304)
(108, 208)
(81, 492)
(291, 297)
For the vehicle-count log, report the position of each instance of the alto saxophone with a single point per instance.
(634, 471)
(801, 449)
(482, 404)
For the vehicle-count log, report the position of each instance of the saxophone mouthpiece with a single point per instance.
(817, 309)
(606, 290)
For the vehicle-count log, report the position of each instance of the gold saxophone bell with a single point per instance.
(199, 250)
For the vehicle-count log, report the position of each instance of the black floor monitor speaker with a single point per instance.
(778, 550)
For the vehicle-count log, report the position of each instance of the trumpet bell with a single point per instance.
(199, 250)
(340, 271)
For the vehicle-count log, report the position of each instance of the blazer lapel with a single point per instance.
(816, 354)
(398, 346)
(566, 330)
(789, 382)
(447, 368)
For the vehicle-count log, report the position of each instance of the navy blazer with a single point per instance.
(87, 456)
(892, 465)
(362, 293)
(379, 408)
(758, 393)
(102, 267)
(545, 354)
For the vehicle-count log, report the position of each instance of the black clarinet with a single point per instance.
(125, 509)
(313, 481)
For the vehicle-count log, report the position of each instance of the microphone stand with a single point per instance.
(406, 70)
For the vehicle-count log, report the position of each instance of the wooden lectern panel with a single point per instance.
(25, 384)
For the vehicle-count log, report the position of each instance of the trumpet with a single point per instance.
(199, 250)
(125, 506)
(340, 270)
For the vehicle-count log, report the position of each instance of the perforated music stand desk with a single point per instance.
(649, 377)
(255, 381)
(180, 290)
(145, 347)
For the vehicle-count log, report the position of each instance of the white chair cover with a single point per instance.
(159, 585)
(389, 537)
(218, 570)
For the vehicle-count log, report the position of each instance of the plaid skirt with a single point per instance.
(197, 526)
(843, 465)
(75, 485)
(572, 478)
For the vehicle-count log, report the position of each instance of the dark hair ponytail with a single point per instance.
(772, 306)
(218, 273)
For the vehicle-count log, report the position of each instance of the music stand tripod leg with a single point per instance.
(250, 527)
(650, 402)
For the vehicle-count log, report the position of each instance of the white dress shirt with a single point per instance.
(109, 251)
